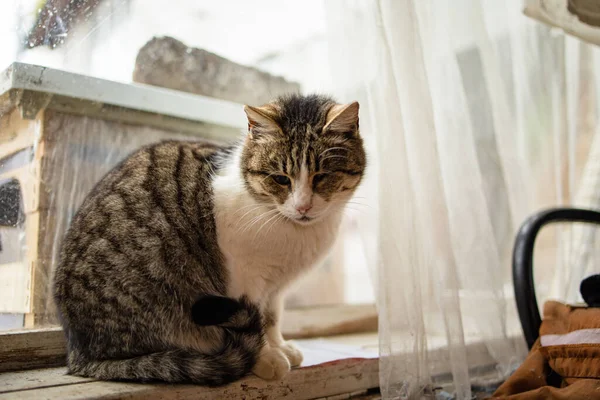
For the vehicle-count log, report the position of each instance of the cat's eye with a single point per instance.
(318, 178)
(281, 180)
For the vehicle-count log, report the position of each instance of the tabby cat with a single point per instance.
(174, 267)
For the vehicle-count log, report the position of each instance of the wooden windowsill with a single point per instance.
(336, 366)
(39, 348)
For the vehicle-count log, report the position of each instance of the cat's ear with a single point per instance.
(261, 120)
(343, 119)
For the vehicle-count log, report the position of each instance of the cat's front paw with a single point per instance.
(292, 353)
(272, 364)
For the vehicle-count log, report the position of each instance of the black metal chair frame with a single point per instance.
(524, 286)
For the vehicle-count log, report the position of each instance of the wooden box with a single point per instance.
(59, 134)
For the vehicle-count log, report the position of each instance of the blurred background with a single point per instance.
(474, 117)
(101, 38)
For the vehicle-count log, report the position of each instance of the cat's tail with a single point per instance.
(173, 366)
(244, 338)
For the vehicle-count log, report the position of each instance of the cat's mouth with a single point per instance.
(305, 220)
(301, 219)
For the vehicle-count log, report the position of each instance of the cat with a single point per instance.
(175, 266)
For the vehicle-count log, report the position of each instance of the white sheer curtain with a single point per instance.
(475, 117)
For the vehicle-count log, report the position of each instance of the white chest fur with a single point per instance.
(263, 251)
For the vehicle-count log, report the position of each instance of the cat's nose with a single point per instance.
(303, 209)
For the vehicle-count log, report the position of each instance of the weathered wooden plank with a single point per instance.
(145, 98)
(321, 379)
(17, 133)
(37, 379)
(300, 323)
(360, 395)
(109, 112)
(338, 377)
(339, 358)
(32, 349)
(329, 321)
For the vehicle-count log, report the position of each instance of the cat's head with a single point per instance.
(304, 155)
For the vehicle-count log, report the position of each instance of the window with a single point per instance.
(85, 37)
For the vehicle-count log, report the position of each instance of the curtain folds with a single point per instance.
(474, 117)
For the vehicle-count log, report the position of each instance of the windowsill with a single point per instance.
(39, 348)
(333, 366)
(338, 366)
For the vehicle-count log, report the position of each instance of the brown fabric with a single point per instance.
(582, 389)
(577, 364)
(560, 318)
(574, 361)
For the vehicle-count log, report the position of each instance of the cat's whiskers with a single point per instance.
(350, 201)
(253, 219)
(351, 205)
(255, 206)
(256, 220)
(246, 213)
(280, 218)
(264, 224)
(356, 198)
(356, 210)
(359, 204)
(219, 213)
